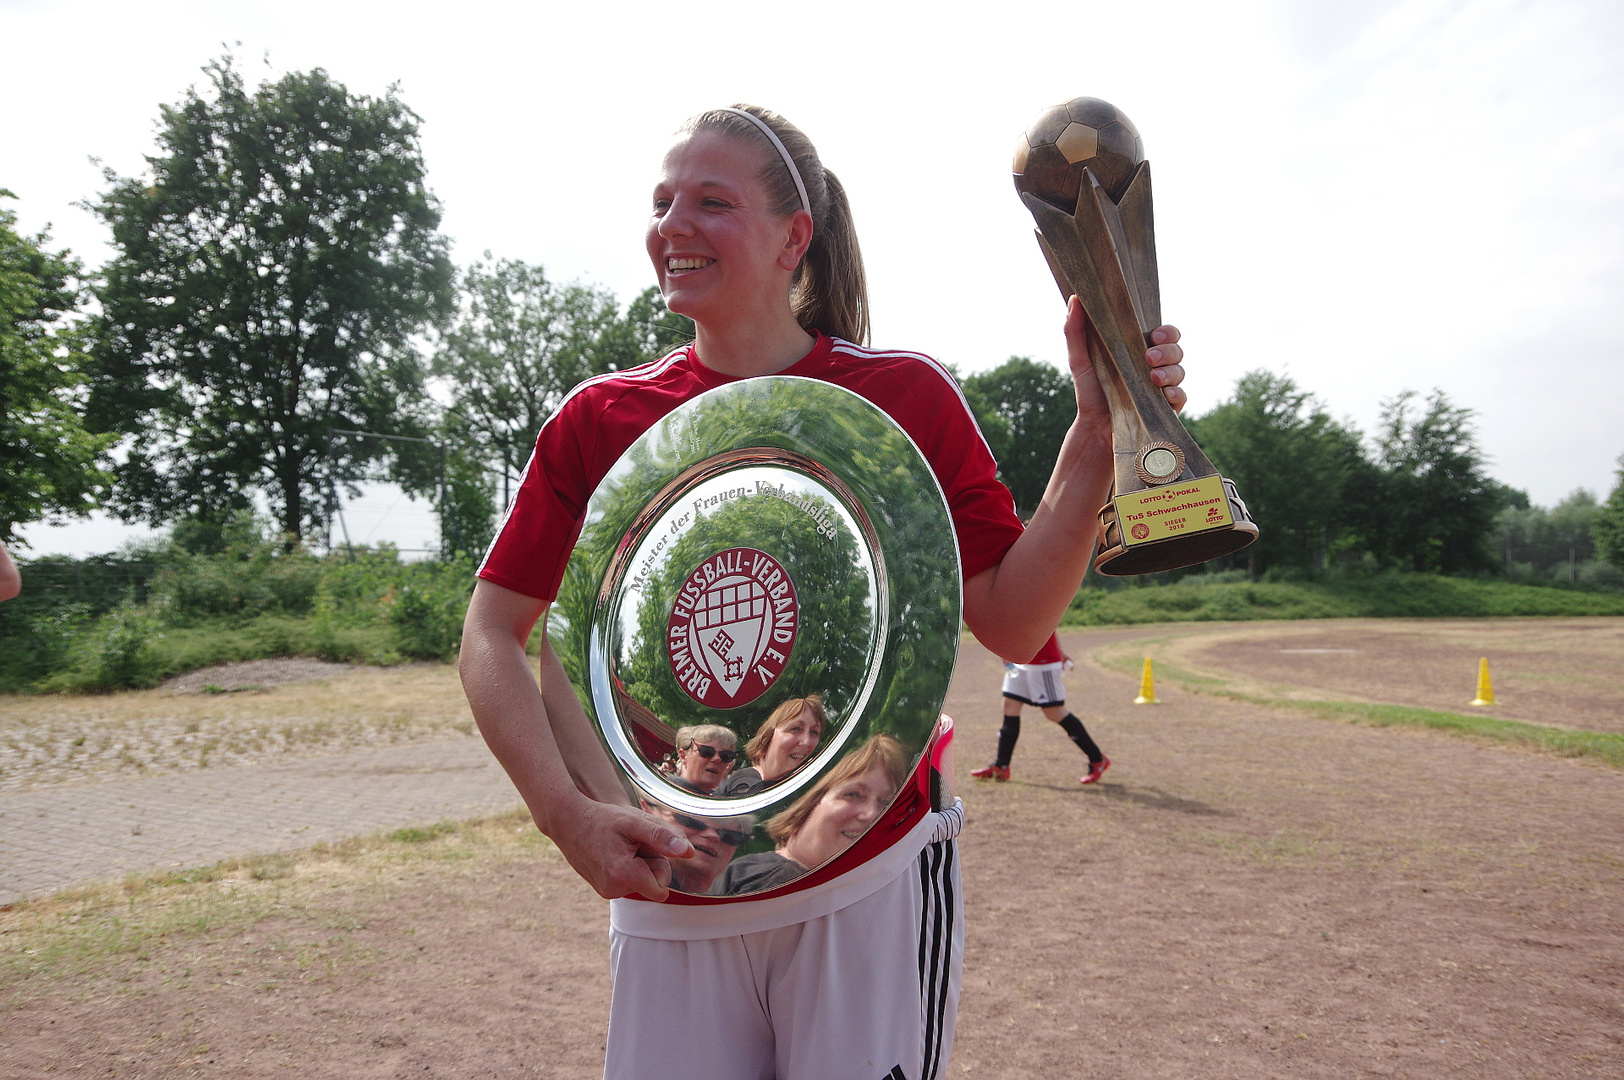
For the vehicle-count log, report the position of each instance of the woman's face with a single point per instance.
(719, 252)
(841, 816)
(791, 744)
(712, 851)
(705, 773)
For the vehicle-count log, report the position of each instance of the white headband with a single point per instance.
(783, 152)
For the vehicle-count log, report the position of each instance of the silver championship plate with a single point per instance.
(769, 540)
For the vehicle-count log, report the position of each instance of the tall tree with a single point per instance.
(1608, 525)
(1036, 405)
(521, 341)
(270, 276)
(1289, 459)
(1427, 504)
(49, 463)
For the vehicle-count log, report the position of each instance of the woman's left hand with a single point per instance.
(1164, 357)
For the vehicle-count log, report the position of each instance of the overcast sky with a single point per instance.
(1370, 196)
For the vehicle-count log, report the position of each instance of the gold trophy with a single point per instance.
(1081, 171)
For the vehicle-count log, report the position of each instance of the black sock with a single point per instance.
(1079, 735)
(1006, 740)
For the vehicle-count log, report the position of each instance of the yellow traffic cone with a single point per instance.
(1485, 688)
(1147, 687)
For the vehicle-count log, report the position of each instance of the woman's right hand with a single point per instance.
(542, 737)
(618, 850)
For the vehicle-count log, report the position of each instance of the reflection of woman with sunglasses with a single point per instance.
(714, 839)
(705, 755)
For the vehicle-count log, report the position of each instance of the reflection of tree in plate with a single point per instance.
(879, 474)
(834, 637)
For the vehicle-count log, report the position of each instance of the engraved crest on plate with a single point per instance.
(732, 627)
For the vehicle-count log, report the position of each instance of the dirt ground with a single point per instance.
(1248, 893)
(1568, 672)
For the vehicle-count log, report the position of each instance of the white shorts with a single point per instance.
(1035, 684)
(867, 992)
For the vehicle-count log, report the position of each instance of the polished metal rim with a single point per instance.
(829, 490)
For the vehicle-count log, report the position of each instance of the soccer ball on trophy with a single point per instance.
(1083, 133)
(1080, 170)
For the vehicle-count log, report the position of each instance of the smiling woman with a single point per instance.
(781, 745)
(707, 231)
(827, 820)
(751, 237)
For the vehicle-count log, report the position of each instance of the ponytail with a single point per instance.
(829, 292)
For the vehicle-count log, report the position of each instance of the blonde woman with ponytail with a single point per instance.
(751, 236)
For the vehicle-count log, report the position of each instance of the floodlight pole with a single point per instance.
(455, 532)
(332, 491)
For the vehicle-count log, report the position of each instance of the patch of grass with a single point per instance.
(1377, 596)
(422, 833)
(96, 930)
(57, 739)
(1605, 746)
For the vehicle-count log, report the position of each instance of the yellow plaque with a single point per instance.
(1158, 513)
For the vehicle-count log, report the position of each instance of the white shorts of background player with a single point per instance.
(1035, 684)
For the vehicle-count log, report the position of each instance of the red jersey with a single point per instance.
(603, 416)
(1049, 654)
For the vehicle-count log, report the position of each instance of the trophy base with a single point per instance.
(1118, 556)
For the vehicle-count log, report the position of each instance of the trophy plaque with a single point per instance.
(1080, 169)
(769, 540)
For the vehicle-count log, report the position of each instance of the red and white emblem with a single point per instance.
(732, 627)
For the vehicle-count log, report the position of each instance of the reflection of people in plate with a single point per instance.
(827, 820)
(780, 745)
(714, 840)
(705, 755)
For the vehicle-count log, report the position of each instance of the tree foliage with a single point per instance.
(522, 341)
(49, 463)
(1290, 461)
(1559, 544)
(1035, 405)
(269, 278)
(1425, 502)
(1608, 524)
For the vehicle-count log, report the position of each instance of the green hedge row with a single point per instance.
(1376, 596)
(181, 611)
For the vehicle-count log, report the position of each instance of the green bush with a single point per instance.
(252, 599)
(116, 653)
(237, 584)
(36, 640)
(249, 599)
(429, 605)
